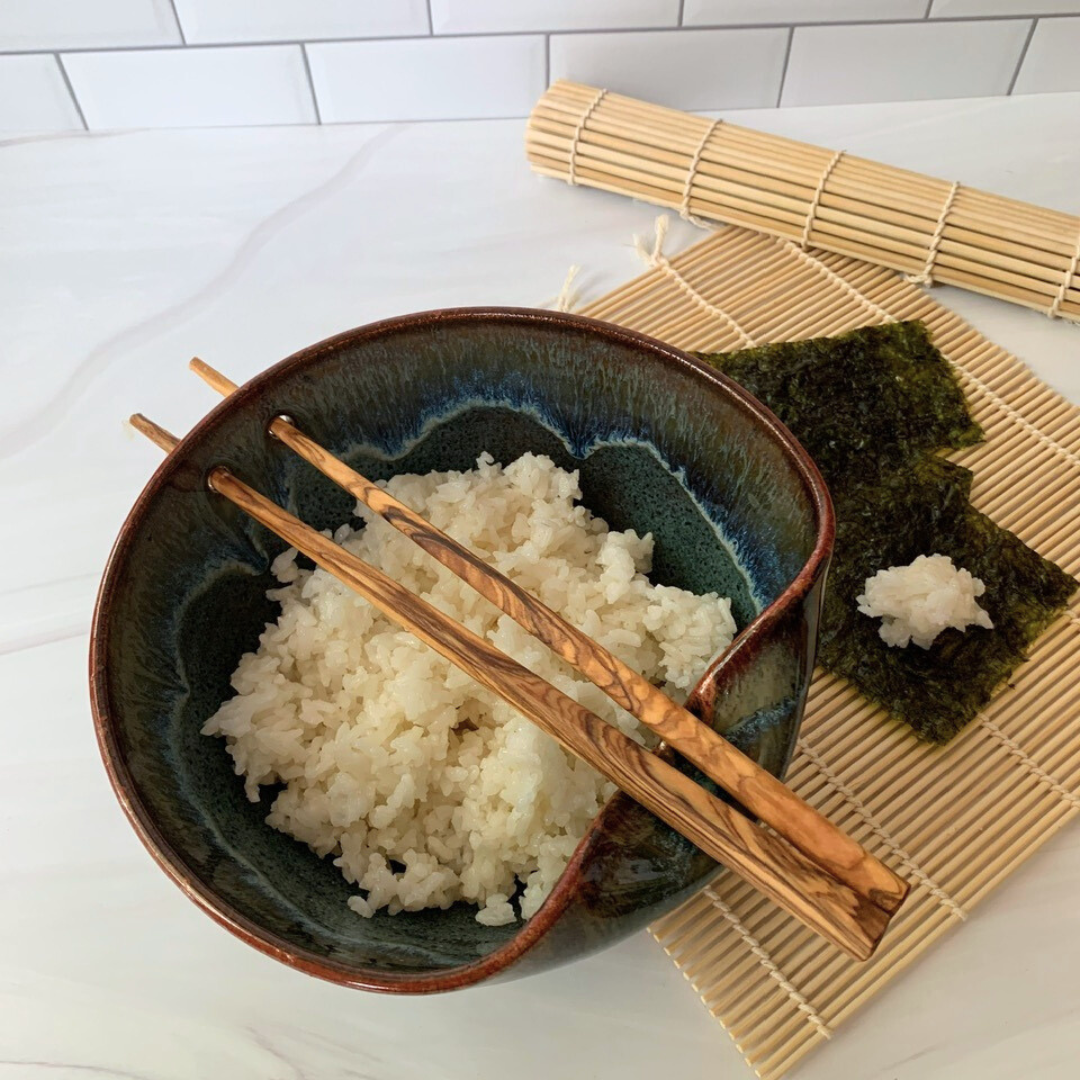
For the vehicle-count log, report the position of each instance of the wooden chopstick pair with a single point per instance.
(834, 886)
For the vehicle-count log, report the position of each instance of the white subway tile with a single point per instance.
(1052, 62)
(63, 24)
(948, 9)
(685, 69)
(832, 65)
(206, 21)
(33, 96)
(487, 16)
(759, 12)
(428, 79)
(258, 84)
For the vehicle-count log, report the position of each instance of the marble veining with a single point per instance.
(105, 970)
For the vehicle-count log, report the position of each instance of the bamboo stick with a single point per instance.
(866, 210)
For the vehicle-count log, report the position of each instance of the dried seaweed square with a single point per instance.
(873, 407)
(877, 396)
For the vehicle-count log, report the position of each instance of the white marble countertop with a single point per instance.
(123, 255)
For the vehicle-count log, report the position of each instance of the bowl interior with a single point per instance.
(660, 450)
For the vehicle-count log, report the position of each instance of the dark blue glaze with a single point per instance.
(663, 446)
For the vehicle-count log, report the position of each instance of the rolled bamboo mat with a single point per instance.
(958, 819)
(716, 172)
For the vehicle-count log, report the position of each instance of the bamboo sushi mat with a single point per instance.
(956, 820)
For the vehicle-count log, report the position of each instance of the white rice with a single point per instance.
(917, 602)
(424, 787)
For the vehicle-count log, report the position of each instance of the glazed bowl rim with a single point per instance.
(141, 818)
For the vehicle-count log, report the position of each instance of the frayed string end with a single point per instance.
(655, 257)
(567, 296)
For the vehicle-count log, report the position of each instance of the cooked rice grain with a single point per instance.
(423, 786)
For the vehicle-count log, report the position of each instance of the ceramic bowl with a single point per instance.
(664, 445)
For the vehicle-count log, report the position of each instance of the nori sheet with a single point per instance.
(872, 398)
(871, 407)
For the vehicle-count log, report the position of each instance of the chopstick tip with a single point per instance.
(154, 432)
(211, 376)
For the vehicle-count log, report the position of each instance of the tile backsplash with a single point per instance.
(691, 69)
(106, 64)
(427, 79)
(830, 65)
(48, 25)
(208, 22)
(192, 87)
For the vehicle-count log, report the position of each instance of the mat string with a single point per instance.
(880, 831)
(1032, 766)
(565, 300)
(659, 261)
(1057, 448)
(862, 299)
(767, 962)
(816, 198)
(656, 259)
(572, 176)
(927, 275)
(1053, 309)
(688, 187)
(965, 374)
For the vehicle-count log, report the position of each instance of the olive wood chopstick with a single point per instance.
(756, 788)
(836, 912)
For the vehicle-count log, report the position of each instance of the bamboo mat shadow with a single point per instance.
(956, 820)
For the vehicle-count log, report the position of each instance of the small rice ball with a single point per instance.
(917, 602)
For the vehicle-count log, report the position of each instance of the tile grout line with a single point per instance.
(929, 8)
(682, 12)
(616, 30)
(311, 83)
(702, 112)
(179, 24)
(71, 90)
(1023, 56)
(430, 20)
(547, 59)
(783, 70)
